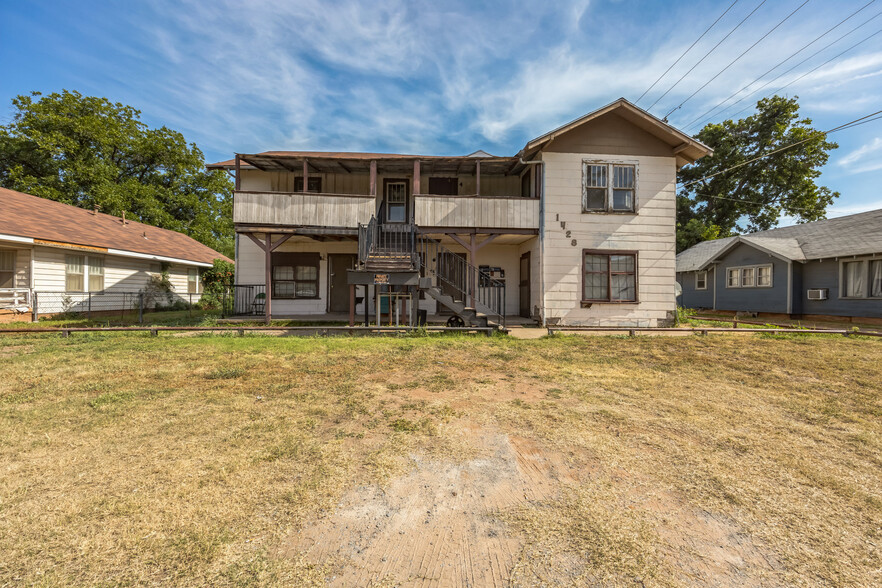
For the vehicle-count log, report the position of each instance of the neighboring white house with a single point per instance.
(578, 228)
(65, 258)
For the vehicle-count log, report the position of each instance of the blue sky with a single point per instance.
(440, 77)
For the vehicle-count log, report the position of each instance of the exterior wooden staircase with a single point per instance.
(475, 298)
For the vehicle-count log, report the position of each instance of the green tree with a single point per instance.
(754, 196)
(88, 151)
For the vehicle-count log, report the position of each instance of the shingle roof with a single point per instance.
(24, 215)
(856, 234)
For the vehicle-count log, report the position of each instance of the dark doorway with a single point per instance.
(338, 286)
(524, 286)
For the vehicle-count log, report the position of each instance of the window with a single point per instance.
(876, 278)
(733, 278)
(7, 268)
(313, 184)
(444, 186)
(701, 280)
(854, 279)
(753, 276)
(96, 274)
(609, 277)
(601, 195)
(73, 273)
(396, 202)
(193, 280)
(295, 275)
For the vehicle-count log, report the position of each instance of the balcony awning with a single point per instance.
(387, 163)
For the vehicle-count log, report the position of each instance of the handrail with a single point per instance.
(474, 286)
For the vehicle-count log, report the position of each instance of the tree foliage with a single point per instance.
(88, 151)
(754, 196)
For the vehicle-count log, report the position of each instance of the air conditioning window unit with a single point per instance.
(817, 294)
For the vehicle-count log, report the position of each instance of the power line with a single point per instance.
(687, 51)
(740, 201)
(706, 55)
(780, 63)
(857, 122)
(786, 18)
(805, 60)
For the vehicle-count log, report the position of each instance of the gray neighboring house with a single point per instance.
(830, 267)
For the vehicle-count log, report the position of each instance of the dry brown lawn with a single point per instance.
(440, 461)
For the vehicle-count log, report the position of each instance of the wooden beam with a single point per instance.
(416, 177)
(478, 178)
(680, 147)
(305, 176)
(473, 259)
(486, 241)
(238, 170)
(460, 241)
(268, 263)
(374, 178)
(255, 239)
(280, 241)
(346, 169)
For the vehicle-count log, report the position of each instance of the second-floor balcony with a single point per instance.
(345, 190)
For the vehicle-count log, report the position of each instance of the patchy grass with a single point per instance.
(131, 459)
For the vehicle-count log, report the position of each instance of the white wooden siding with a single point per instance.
(301, 209)
(650, 231)
(502, 213)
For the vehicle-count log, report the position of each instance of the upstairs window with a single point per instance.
(313, 184)
(608, 187)
(74, 278)
(7, 268)
(96, 274)
(444, 186)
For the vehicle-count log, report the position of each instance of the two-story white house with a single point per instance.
(578, 228)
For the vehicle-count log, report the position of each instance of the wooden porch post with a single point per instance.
(269, 270)
(416, 177)
(305, 176)
(351, 305)
(473, 251)
(478, 178)
(414, 306)
(374, 178)
(238, 179)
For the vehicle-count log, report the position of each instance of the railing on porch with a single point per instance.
(249, 299)
(392, 242)
(464, 282)
(14, 297)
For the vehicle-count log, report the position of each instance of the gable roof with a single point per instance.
(686, 148)
(855, 234)
(42, 219)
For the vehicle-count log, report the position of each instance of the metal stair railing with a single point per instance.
(475, 288)
(390, 240)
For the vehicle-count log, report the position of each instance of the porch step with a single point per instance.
(470, 315)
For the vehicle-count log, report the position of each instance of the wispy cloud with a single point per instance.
(866, 158)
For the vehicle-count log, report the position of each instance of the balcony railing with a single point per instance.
(14, 297)
(491, 212)
(299, 208)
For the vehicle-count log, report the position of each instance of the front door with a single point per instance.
(524, 286)
(338, 286)
(395, 192)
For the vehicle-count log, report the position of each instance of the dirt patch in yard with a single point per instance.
(479, 523)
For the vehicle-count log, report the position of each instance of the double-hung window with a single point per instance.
(876, 278)
(7, 268)
(74, 273)
(313, 184)
(853, 286)
(295, 275)
(609, 276)
(193, 280)
(608, 187)
(753, 276)
(701, 280)
(862, 279)
(96, 274)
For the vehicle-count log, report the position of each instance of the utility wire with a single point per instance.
(799, 209)
(706, 55)
(687, 51)
(731, 63)
(780, 63)
(754, 92)
(854, 123)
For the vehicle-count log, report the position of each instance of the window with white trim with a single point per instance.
(608, 187)
(96, 274)
(193, 280)
(701, 280)
(876, 278)
(861, 278)
(609, 276)
(751, 276)
(74, 273)
(295, 275)
(7, 268)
